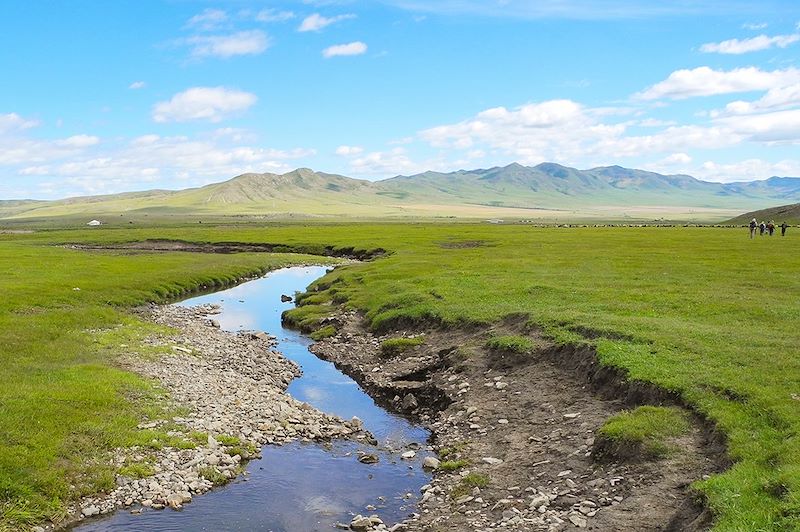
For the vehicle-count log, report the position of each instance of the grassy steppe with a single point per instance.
(62, 401)
(707, 313)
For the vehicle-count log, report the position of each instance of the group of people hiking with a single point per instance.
(766, 228)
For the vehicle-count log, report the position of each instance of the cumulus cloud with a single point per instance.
(348, 151)
(13, 121)
(17, 149)
(704, 81)
(676, 159)
(753, 44)
(388, 163)
(203, 103)
(274, 15)
(353, 48)
(137, 85)
(746, 170)
(316, 22)
(78, 141)
(770, 127)
(208, 20)
(566, 131)
(252, 42)
(83, 165)
(775, 99)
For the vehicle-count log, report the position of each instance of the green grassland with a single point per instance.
(707, 313)
(62, 400)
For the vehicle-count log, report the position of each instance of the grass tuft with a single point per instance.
(322, 333)
(511, 344)
(646, 429)
(397, 346)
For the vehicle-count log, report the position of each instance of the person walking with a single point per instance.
(770, 227)
(761, 228)
(784, 225)
(753, 225)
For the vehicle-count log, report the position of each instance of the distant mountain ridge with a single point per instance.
(513, 189)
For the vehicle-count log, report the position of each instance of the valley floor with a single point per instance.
(705, 315)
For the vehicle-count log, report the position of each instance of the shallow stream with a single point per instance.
(301, 486)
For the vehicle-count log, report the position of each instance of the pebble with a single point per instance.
(235, 384)
(430, 462)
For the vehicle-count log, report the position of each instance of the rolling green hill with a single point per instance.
(547, 191)
(784, 213)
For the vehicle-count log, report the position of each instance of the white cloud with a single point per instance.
(13, 121)
(274, 15)
(653, 122)
(704, 81)
(203, 103)
(348, 151)
(753, 44)
(316, 21)
(754, 25)
(676, 159)
(353, 48)
(252, 42)
(78, 141)
(137, 85)
(389, 163)
(777, 126)
(774, 99)
(208, 20)
(746, 170)
(16, 149)
(137, 163)
(568, 132)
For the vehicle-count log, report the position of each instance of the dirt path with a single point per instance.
(523, 430)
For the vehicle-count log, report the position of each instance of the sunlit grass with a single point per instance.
(706, 313)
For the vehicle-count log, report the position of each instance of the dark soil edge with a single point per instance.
(605, 381)
(168, 245)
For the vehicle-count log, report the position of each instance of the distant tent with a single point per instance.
(95, 223)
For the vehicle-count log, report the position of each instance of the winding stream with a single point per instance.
(301, 486)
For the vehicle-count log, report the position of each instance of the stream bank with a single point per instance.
(519, 433)
(315, 470)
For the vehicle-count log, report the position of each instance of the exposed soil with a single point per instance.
(232, 247)
(528, 423)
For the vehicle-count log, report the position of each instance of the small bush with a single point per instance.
(395, 346)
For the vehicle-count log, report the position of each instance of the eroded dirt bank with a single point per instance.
(169, 246)
(517, 434)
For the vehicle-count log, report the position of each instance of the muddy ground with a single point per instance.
(525, 427)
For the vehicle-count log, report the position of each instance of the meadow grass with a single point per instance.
(706, 313)
(63, 401)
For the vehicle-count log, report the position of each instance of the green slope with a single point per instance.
(784, 213)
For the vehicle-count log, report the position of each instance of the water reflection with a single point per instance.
(299, 487)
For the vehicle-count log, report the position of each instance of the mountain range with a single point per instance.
(545, 191)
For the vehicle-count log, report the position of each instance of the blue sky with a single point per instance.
(102, 97)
